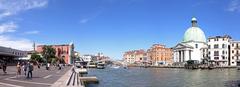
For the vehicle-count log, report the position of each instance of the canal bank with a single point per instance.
(165, 77)
(182, 67)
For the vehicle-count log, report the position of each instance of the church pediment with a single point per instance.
(182, 46)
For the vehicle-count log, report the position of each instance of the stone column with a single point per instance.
(180, 56)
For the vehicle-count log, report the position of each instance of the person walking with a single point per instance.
(25, 68)
(29, 70)
(4, 67)
(47, 66)
(18, 69)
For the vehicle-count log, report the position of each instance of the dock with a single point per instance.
(75, 78)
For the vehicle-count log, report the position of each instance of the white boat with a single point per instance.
(91, 65)
(100, 65)
(115, 67)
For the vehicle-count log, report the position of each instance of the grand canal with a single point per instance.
(165, 77)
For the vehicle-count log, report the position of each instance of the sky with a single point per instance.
(112, 26)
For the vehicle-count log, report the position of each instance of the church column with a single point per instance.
(179, 56)
(190, 55)
(183, 54)
(175, 56)
(186, 55)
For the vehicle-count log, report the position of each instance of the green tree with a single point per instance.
(36, 58)
(48, 53)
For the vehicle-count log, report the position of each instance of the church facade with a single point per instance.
(190, 48)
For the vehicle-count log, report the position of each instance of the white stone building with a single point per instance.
(190, 48)
(219, 50)
(235, 53)
(87, 58)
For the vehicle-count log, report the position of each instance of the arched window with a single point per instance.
(196, 45)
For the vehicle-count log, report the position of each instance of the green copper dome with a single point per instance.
(194, 33)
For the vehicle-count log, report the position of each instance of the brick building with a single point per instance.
(65, 51)
(160, 55)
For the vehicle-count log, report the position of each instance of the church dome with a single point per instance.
(194, 33)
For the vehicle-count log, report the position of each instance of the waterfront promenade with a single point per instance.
(41, 77)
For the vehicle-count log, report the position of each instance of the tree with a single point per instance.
(36, 58)
(48, 53)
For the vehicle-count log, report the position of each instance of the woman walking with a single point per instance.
(18, 69)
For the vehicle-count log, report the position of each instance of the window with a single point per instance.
(233, 58)
(216, 46)
(223, 57)
(232, 62)
(233, 51)
(232, 45)
(209, 46)
(196, 45)
(223, 45)
(223, 52)
(216, 58)
(209, 52)
(216, 53)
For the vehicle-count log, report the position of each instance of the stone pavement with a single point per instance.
(41, 77)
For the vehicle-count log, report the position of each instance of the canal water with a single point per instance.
(165, 77)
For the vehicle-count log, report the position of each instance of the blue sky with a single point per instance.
(112, 26)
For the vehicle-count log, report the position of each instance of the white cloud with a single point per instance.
(11, 7)
(84, 21)
(20, 44)
(234, 6)
(32, 32)
(8, 27)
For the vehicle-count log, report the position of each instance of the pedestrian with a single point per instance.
(59, 66)
(29, 70)
(25, 68)
(4, 67)
(47, 66)
(18, 69)
(38, 65)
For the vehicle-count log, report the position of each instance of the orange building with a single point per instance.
(65, 51)
(160, 55)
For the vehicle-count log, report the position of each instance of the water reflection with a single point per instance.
(163, 77)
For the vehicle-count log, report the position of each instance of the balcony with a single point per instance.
(237, 48)
(237, 54)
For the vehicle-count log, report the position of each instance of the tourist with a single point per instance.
(38, 65)
(18, 69)
(4, 67)
(29, 69)
(47, 66)
(25, 68)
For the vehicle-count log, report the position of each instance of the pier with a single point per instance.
(76, 77)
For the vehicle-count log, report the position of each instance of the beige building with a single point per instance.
(235, 53)
(135, 57)
(160, 55)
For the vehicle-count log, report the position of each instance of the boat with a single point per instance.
(80, 64)
(100, 65)
(115, 66)
(238, 65)
(211, 66)
(91, 65)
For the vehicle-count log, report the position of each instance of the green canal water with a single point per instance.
(165, 77)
